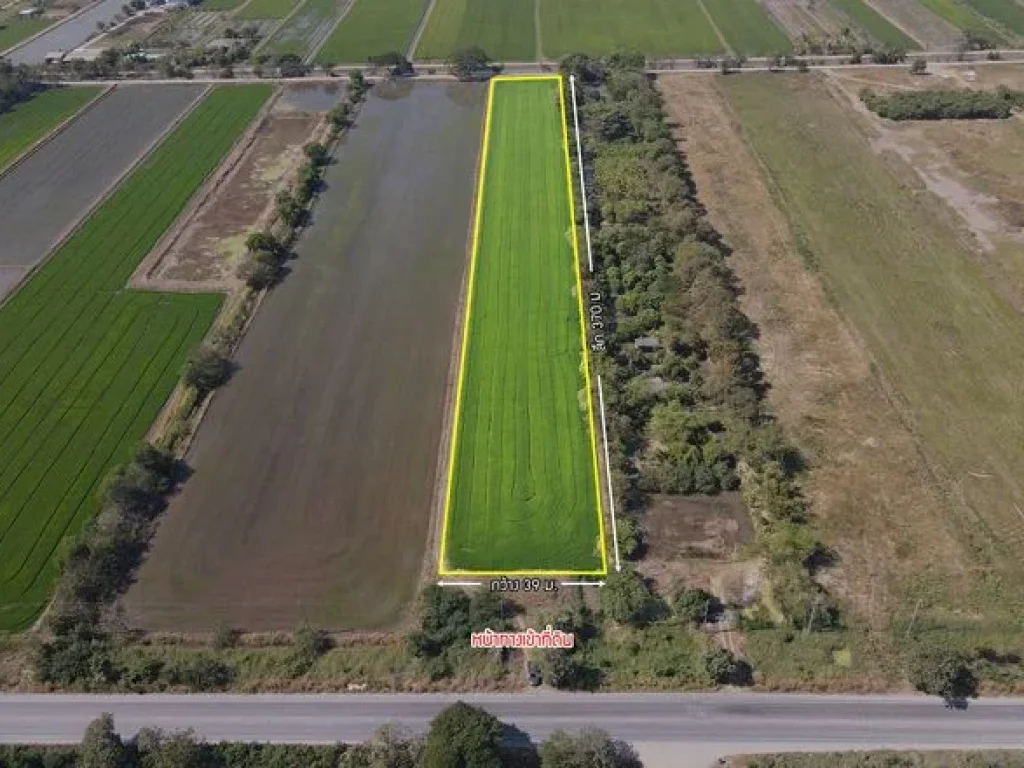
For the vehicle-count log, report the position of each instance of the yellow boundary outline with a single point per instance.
(442, 568)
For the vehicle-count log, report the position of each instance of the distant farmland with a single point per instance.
(85, 365)
(523, 490)
(263, 9)
(876, 25)
(27, 123)
(656, 27)
(304, 28)
(506, 29)
(373, 27)
(747, 27)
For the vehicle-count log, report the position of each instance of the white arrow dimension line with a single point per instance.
(579, 162)
(582, 583)
(608, 472)
(443, 583)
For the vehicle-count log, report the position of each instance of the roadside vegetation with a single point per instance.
(459, 735)
(883, 759)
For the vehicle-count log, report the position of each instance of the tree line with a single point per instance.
(944, 104)
(683, 382)
(460, 736)
(17, 84)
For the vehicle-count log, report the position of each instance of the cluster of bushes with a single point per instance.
(16, 85)
(683, 383)
(447, 618)
(460, 735)
(944, 104)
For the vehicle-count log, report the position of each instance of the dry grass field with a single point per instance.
(314, 470)
(893, 345)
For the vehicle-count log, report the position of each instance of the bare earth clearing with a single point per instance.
(205, 253)
(314, 471)
(48, 192)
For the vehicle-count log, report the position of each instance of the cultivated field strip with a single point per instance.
(305, 28)
(315, 467)
(656, 27)
(523, 493)
(373, 27)
(505, 30)
(747, 27)
(27, 123)
(875, 24)
(85, 365)
(48, 192)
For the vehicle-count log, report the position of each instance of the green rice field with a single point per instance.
(220, 5)
(747, 27)
(876, 25)
(85, 364)
(506, 29)
(263, 9)
(656, 27)
(1007, 12)
(373, 27)
(963, 17)
(30, 121)
(523, 493)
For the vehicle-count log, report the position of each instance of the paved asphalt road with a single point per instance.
(670, 729)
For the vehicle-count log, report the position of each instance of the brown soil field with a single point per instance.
(314, 470)
(205, 252)
(869, 491)
(48, 193)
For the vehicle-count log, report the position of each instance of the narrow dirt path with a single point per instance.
(410, 54)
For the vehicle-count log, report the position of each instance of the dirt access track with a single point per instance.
(314, 471)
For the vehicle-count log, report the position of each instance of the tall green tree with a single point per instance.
(462, 736)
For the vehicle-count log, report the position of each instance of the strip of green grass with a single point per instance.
(373, 27)
(263, 9)
(747, 27)
(300, 31)
(14, 30)
(963, 18)
(523, 493)
(30, 121)
(504, 28)
(654, 27)
(1006, 12)
(876, 25)
(85, 365)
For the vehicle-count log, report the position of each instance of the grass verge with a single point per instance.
(87, 365)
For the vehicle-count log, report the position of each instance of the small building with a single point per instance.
(27, 12)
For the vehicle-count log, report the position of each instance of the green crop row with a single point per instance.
(28, 122)
(86, 365)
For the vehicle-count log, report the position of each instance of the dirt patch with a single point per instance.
(870, 494)
(203, 254)
(975, 166)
